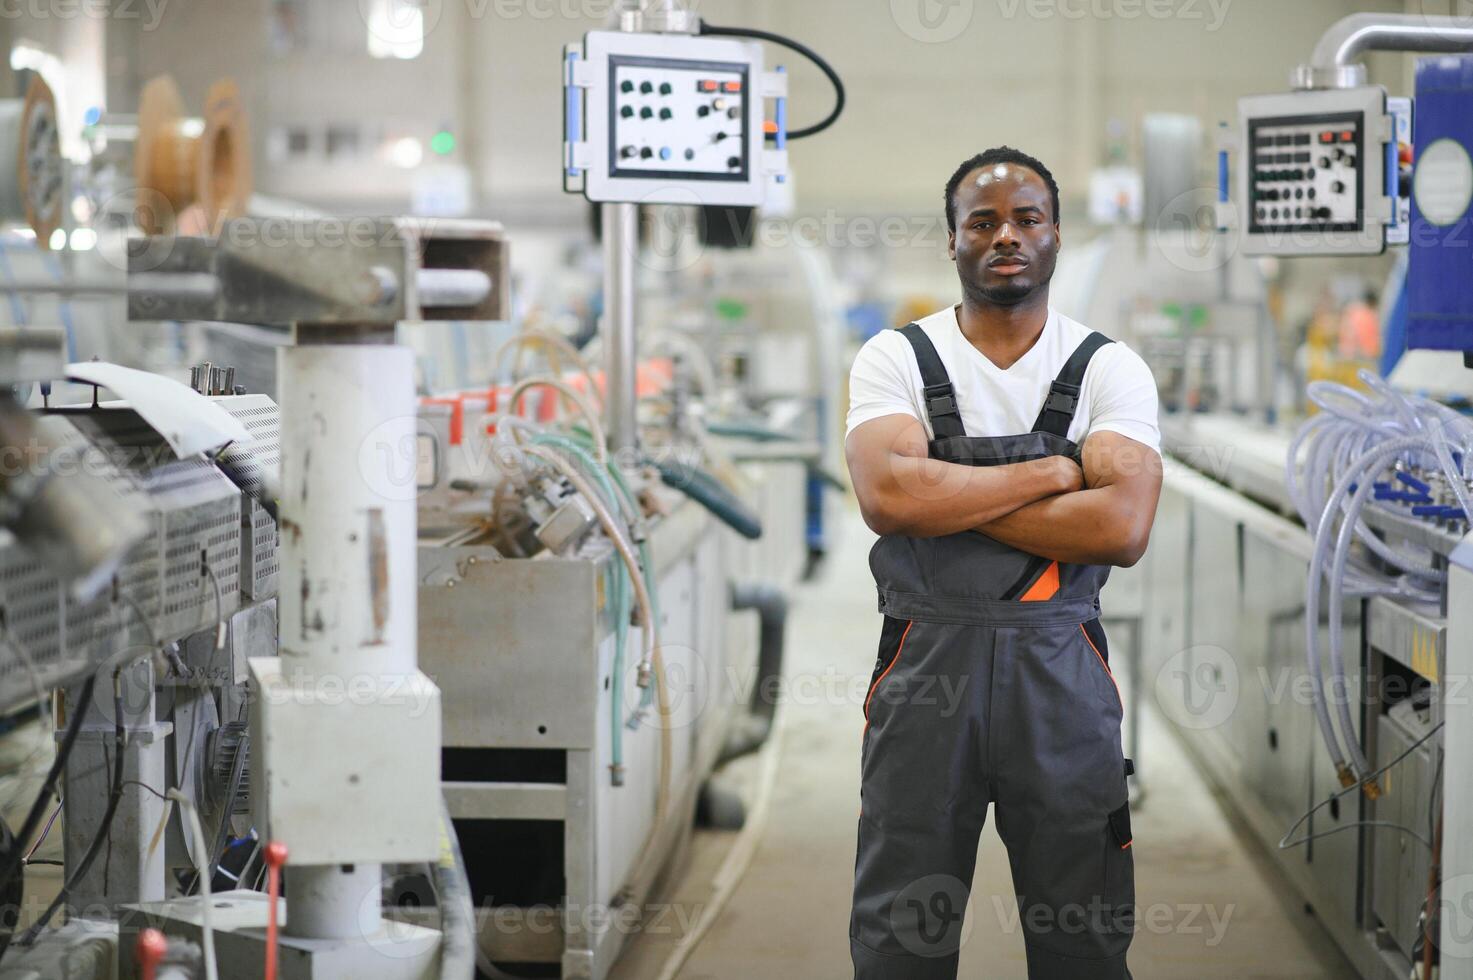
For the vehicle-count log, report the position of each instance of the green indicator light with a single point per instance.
(442, 143)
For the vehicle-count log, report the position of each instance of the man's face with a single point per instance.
(1006, 240)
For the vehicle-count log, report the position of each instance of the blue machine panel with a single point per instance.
(1440, 271)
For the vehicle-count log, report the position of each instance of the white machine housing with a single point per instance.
(668, 119)
(1312, 176)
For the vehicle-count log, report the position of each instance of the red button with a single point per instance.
(707, 86)
(1327, 137)
(1347, 136)
(733, 86)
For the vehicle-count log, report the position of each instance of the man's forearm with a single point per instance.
(928, 498)
(1087, 527)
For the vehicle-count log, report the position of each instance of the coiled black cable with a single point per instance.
(805, 51)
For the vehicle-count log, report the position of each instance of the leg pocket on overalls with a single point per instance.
(1119, 886)
(1097, 648)
(892, 641)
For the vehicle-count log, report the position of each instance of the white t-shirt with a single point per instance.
(1118, 394)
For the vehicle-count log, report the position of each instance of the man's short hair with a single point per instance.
(992, 157)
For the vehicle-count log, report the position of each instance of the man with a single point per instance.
(1007, 457)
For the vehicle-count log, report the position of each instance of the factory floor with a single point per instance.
(1211, 907)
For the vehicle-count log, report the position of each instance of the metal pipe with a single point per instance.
(453, 287)
(1334, 63)
(348, 519)
(621, 355)
(335, 901)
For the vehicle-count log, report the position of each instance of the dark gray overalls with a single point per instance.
(992, 686)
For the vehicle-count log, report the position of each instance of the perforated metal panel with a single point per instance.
(30, 600)
(198, 519)
(259, 564)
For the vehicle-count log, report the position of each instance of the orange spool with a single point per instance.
(191, 163)
(32, 192)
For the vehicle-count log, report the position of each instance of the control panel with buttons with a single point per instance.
(678, 118)
(670, 119)
(1306, 175)
(1312, 172)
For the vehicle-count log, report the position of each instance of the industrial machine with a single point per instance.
(142, 570)
(588, 545)
(1309, 630)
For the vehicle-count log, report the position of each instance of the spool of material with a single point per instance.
(31, 190)
(187, 162)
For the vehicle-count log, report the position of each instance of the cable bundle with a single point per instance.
(1376, 449)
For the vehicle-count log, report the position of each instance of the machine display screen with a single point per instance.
(678, 118)
(1306, 173)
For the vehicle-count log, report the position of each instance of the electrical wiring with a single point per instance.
(536, 336)
(104, 827)
(807, 52)
(620, 598)
(652, 667)
(1286, 842)
(209, 572)
(43, 736)
(584, 409)
(206, 929)
(50, 821)
(48, 787)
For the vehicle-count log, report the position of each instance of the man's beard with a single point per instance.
(1008, 293)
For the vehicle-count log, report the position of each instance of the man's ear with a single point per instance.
(951, 244)
(1058, 240)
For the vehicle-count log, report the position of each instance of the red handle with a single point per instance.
(150, 952)
(275, 854)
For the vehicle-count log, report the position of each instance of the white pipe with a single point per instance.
(348, 553)
(347, 509)
(1348, 38)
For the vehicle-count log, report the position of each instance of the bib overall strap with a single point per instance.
(939, 396)
(1063, 394)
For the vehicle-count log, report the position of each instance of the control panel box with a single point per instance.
(1313, 173)
(667, 119)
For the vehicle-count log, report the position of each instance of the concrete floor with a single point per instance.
(1211, 906)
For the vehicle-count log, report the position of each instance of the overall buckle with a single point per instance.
(1062, 398)
(940, 400)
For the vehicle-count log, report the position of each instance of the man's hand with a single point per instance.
(1107, 523)
(901, 490)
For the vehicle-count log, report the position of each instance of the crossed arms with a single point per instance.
(1098, 515)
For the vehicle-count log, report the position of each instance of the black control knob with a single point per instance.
(733, 162)
(703, 111)
(1324, 162)
(626, 86)
(645, 88)
(646, 113)
(646, 153)
(627, 111)
(627, 151)
(665, 88)
(717, 137)
(665, 113)
(1338, 187)
(734, 112)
